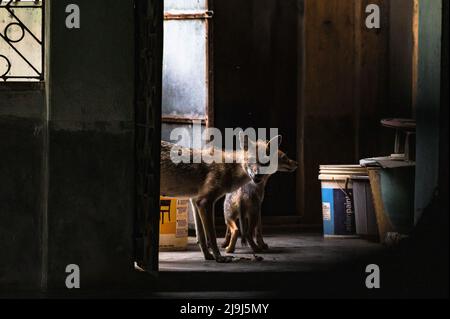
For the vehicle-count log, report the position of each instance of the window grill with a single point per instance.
(22, 40)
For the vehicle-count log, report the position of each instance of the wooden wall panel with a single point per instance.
(328, 94)
(371, 85)
(255, 79)
(352, 77)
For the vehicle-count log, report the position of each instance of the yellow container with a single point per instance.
(173, 224)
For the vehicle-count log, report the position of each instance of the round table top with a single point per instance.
(408, 125)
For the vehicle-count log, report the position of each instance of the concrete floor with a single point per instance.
(298, 264)
(287, 253)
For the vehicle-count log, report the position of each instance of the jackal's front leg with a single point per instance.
(226, 242)
(259, 236)
(200, 233)
(253, 221)
(206, 211)
(234, 231)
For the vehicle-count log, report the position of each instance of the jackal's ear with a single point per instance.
(244, 141)
(277, 139)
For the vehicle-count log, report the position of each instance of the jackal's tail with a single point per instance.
(243, 227)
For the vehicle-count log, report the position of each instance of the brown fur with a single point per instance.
(204, 184)
(245, 204)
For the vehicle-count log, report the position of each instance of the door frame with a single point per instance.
(148, 92)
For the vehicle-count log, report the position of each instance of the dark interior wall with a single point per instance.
(91, 142)
(327, 105)
(444, 144)
(352, 78)
(371, 83)
(255, 77)
(320, 76)
(400, 46)
(21, 144)
(67, 172)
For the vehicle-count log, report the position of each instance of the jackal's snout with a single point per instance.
(285, 164)
(293, 166)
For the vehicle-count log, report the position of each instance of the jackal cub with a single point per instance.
(244, 205)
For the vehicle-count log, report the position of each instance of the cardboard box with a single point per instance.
(173, 224)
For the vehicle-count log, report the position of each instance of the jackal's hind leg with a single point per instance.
(254, 246)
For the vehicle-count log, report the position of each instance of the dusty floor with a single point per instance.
(287, 253)
(298, 264)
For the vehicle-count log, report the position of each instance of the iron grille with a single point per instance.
(8, 10)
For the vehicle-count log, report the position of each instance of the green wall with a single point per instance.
(428, 103)
(67, 177)
(91, 142)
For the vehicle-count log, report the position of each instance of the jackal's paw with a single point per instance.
(224, 259)
(209, 256)
(224, 244)
(229, 249)
(265, 247)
